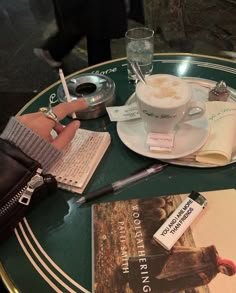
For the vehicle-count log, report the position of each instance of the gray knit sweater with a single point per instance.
(31, 143)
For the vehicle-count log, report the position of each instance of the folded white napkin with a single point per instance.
(220, 145)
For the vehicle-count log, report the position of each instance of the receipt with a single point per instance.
(123, 113)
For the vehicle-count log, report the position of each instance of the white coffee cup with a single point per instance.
(165, 101)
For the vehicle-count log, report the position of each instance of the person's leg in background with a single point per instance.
(57, 47)
(98, 50)
(61, 44)
(136, 10)
(69, 32)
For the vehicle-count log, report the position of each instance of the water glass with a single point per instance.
(139, 48)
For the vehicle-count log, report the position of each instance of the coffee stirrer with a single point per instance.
(138, 72)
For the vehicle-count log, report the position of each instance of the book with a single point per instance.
(126, 258)
(80, 159)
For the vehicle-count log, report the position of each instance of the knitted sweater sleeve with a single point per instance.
(31, 143)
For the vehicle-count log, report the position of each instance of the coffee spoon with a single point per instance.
(137, 71)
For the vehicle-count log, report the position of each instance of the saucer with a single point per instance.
(189, 137)
(135, 138)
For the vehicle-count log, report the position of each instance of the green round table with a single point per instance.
(50, 250)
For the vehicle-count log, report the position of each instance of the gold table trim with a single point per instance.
(7, 280)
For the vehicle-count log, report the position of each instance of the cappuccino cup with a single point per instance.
(165, 101)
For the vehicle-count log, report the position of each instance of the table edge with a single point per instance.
(115, 60)
(7, 280)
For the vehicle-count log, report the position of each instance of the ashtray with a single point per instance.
(97, 89)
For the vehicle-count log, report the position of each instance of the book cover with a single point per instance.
(127, 259)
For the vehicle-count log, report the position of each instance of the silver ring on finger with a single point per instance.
(48, 112)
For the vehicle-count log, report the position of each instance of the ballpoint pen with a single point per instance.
(111, 188)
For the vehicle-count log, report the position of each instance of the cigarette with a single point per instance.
(68, 98)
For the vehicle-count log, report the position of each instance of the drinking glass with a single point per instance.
(139, 48)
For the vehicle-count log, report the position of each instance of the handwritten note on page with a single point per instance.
(80, 159)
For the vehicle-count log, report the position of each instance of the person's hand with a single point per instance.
(43, 126)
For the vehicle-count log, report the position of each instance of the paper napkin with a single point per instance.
(220, 144)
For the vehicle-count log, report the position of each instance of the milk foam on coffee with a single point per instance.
(164, 90)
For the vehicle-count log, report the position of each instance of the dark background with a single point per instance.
(211, 26)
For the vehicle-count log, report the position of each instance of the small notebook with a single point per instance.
(80, 159)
